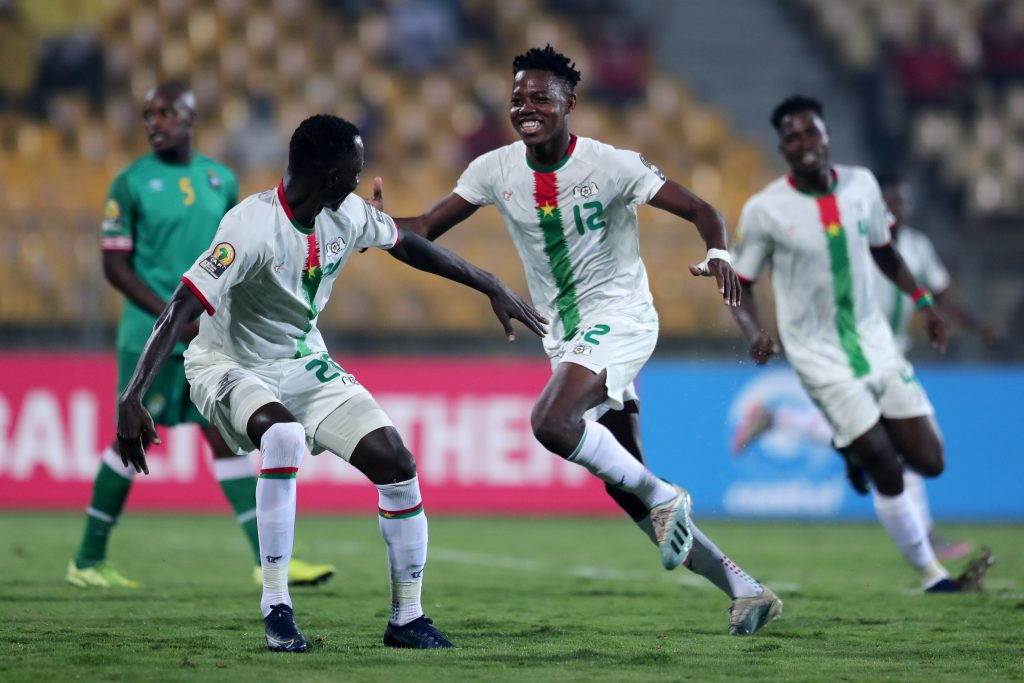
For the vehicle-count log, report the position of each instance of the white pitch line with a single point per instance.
(520, 564)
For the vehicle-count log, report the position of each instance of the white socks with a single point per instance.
(901, 518)
(282, 446)
(603, 455)
(404, 528)
(711, 563)
(913, 485)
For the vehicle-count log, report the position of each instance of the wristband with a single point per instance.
(720, 254)
(922, 298)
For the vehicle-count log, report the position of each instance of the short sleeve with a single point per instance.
(474, 185)
(638, 179)
(879, 219)
(934, 275)
(232, 258)
(117, 232)
(752, 247)
(378, 229)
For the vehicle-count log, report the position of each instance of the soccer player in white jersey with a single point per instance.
(821, 229)
(570, 206)
(260, 372)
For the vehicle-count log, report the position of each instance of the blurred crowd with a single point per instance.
(943, 79)
(427, 82)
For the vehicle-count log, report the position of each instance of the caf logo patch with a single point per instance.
(214, 179)
(217, 262)
(654, 169)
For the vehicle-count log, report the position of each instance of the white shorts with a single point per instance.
(854, 406)
(311, 388)
(618, 343)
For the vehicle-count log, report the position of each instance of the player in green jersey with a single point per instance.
(161, 213)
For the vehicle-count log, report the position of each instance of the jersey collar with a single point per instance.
(558, 165)
(288, 211)
(831, 189)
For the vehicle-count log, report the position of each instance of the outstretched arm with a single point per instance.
(423, 255)
(134, 424)
(893, 267)
(762, 345)
(677, 200)
(439, 218)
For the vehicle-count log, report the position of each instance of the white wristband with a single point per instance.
(720, 254)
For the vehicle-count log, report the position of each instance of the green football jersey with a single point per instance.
(165, 215)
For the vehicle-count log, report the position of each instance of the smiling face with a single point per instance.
(168, 121)
(540, 106)
(803, 141)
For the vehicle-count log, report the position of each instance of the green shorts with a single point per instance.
(168, 399)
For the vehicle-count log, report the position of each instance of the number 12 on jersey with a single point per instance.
(594, 218)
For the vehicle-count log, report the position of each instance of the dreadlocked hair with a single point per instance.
(319, 142)
(548, 60)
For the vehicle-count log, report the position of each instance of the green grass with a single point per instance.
(525, 600)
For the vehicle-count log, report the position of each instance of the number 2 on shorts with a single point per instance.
(323, 366)
(594, 332)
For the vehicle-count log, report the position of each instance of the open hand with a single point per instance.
(135, 429)
(507, 305)
(725, 276)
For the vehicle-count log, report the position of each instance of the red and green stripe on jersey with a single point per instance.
(312, 274)
(842, 283)
(401, 514)
(556, 248)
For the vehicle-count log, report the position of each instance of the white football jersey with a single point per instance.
(266, 278)
(922, 260)
(823, 275)
(574, 225)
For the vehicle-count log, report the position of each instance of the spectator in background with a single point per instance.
(71, 57)
(256, 144)
(928, 68)
(620, 61)
(1002, 44)
(423, 34)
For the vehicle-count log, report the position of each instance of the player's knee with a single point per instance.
(932, 466)
(283, 445)
(383, 458)
(550, 429)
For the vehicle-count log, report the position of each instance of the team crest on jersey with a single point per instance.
(581, 349)
(506, 195)
(334, 247)
(111, 215)
(213, 179)
(584, 191)
(217, 262)
(654, 169)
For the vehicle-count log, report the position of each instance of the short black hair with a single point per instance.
(889, 178)
(548, 60)
(794, 104)
(319, 142)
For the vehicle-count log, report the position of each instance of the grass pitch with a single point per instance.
(524, 599)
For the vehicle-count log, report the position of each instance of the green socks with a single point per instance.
(109, 492)
(238, 481)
